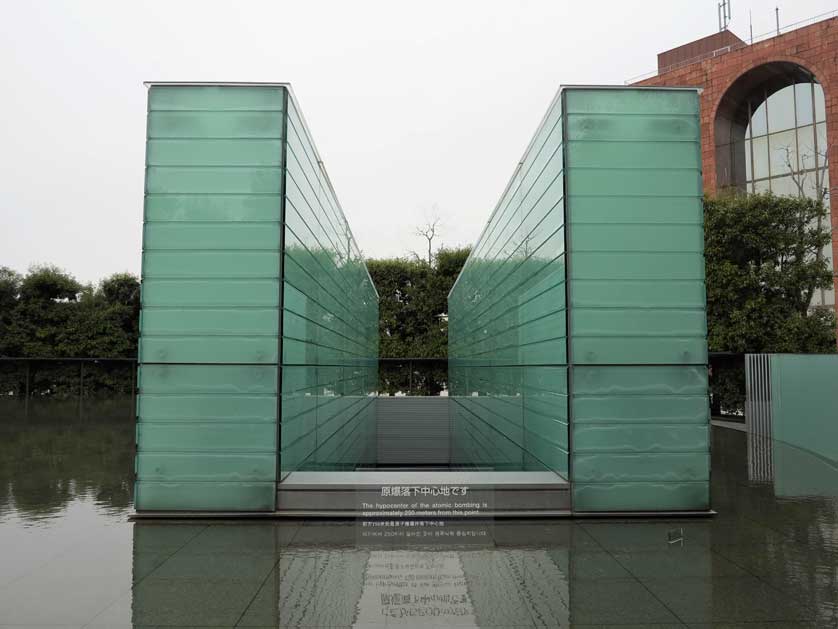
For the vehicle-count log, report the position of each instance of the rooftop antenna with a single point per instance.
(724, 14)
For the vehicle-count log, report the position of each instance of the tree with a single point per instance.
(809, 183)
(9, 292)
(762, 269)
(105, 322)
(39, 318)
(412, 315)
(429, 231)
(49, 314)
(9, 288)
(413, 302)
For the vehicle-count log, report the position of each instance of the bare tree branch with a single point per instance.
(799, 177)
(430, 230)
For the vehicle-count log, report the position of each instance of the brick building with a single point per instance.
(767, 114)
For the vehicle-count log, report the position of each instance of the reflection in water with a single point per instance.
(45, 466)
(322, 575)
(71, 557)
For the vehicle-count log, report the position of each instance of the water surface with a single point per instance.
(69, 556)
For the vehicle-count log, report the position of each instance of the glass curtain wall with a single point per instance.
(329, 323)
(638, 348)
(577, 331)
(507, 324)
(209, 328)
(259, 324)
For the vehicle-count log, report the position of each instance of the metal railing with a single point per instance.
(91, 387)
(758, 417)
(735, 46)
(413, 376)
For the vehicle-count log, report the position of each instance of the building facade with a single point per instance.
(767, 112)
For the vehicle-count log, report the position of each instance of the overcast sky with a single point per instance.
(416, 107)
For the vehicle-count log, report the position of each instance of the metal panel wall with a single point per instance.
(639, 406)
(413, 430)
(329, 323)
(507, 325)
(207, 408)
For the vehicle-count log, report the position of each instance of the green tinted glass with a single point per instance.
(209, 348)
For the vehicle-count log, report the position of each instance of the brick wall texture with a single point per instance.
(814, 47)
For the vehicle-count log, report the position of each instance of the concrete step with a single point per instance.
(423, 494)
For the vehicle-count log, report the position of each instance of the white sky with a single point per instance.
(413, 105)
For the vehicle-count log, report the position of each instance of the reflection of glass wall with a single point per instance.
(785, 149)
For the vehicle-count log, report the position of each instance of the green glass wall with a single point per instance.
(804, 402)
(612, 390)
(246, 316)
(329, 323)
(507, 323)
(206, 432)
(640, 417)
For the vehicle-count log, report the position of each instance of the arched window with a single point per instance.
(785, 147)
(770, 132)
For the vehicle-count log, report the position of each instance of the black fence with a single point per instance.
(83, 388)
(106, 387)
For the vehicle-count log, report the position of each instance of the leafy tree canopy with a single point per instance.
(48, 313)
(414, 303)
(763, 265)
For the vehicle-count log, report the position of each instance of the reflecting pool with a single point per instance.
(70, 557)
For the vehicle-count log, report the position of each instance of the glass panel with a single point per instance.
(330, 323)
(758, 124)
(637, 292)
(820, 104)
(210, 292)
(784, 186)
(803, 103)
(507, 322)
(806, 147)
(783, 152)
(829, 297)
(781, 110)
(820, 129)
(760, 157)
(761, 186)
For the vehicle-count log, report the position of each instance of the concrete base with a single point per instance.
(423, 494)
